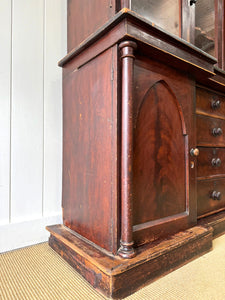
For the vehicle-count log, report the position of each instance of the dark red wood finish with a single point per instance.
(85, 17)
(206, 204)
(216, 221)
(209, 103)
(223, 35)
(164, 47)
(164, 133)
(117, 278)
(205, 132)
(80, 77)
(211, 162)
(127, 55)
(129, 127)
(159, 148)
(219, 32)
(90, 177)
(82, 24)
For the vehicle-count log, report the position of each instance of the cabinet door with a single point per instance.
(163, 133)
(205, 26)
(198, 22)
(159, 12)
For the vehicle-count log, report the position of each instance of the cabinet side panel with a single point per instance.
(85, 17)
(90, 151)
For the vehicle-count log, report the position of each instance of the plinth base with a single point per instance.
(116, 277)
(216, 221)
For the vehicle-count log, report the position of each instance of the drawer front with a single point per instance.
(210, 131)
(210, 103)
(210, 196)
(211, 161)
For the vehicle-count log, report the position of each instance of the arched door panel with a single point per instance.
(160, 166)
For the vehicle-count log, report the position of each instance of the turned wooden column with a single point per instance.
(126, 243)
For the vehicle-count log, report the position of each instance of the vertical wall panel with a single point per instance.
(27, 109)
(33, 39)
(5, 73)
(55, 49)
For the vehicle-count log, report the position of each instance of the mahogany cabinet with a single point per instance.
(143, 143)
(196, 21)
(160, 132)
(210, 109)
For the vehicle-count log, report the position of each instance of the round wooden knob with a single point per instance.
(194, 152)
(215, 104)
(216, 195)
(217, 131)
(216, 162)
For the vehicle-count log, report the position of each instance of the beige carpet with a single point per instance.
(37, 272)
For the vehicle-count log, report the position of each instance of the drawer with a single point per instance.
(209, 103)
(211, 161)
(210, 196)
(210, 131)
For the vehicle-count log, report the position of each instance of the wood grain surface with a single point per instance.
(90, 179)
(207, 205)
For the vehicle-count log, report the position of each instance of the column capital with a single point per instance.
(127, 48)
(131, 44)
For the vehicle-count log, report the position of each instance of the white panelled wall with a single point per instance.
(33, 39)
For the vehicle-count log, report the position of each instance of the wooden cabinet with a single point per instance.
(196, 21)
(211, 196)
(162, 133)
(211, 141)
(143, 142)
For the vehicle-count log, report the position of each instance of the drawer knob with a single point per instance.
(216, 162)
(215, 104)
(216, 195)
(194, 152)
(217, 131)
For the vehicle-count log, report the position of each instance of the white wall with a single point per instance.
(33, 40)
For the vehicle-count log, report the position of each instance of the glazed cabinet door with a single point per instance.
(160, 13)
(181, 23)
(200, 22)
(163, 169)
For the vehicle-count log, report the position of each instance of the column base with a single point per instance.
(126, 251)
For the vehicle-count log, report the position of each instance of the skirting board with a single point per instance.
(216, 221)
(22, 234)
(116, 277)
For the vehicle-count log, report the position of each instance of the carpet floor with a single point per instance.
(37, 272)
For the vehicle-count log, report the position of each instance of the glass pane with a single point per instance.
(164, 13)
(205, 26)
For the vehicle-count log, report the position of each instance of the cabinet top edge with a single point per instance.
(126, 14)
